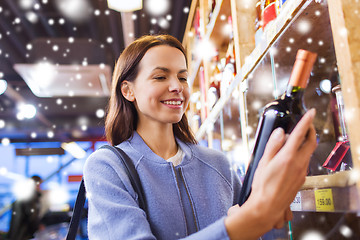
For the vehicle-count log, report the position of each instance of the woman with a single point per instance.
(189, 189)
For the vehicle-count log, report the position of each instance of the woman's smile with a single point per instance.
(173, 103)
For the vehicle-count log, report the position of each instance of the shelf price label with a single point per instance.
(296, 204)
(324, 200)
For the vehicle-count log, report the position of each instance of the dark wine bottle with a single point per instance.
(284, 112)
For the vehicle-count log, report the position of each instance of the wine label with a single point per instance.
(296, 204)
(324, 200)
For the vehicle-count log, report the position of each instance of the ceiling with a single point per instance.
(58, 55)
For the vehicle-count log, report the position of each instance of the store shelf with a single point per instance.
(213, 33)
(332, 199)
(273, 31)
(328, 193)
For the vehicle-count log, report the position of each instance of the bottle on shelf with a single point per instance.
(197, 25)
(340, 153)
(229, 72)
(281, 3)
(258, 21)
(211, 7)
(216, 75)
(284, 112)
(203, 94)
(270, 11)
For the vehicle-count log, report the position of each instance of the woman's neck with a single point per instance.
(160, 140)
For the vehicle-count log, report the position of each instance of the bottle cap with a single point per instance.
(302, 68)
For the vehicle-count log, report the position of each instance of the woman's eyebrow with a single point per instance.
(168, 70)
(162, 69)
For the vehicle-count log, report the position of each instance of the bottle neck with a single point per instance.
(295, 91)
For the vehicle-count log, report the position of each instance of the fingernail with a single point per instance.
(312, 112)
(278, 132)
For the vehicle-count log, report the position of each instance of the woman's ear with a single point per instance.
(126, 91)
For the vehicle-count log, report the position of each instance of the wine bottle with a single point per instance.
(284, 112)
(258, 21)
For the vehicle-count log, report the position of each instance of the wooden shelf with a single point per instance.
(328, 193)
(338, 192)
(330, 199)
(213, 33)
(273, 31)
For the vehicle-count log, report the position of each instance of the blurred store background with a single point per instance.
(56, 62)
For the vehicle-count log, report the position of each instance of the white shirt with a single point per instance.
(177, 158)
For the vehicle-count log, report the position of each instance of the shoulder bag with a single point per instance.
(80, 199)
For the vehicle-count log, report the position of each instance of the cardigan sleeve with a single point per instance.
(215, 231)
(114, 212)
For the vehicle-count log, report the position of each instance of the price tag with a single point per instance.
(296, 204)
(324, 200)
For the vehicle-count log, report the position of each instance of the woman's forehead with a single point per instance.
(164, 56)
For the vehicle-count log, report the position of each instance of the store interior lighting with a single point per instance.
(74, 149)
(3, 86)
(125, 5)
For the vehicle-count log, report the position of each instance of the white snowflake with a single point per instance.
(109, 40)
(50, 134)
(345, 231)
(33, 135)
(312, 235)
(304, 26)
(97, 12)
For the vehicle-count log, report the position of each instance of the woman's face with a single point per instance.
(160, 89)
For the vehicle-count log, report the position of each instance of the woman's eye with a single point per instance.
(183, 79)
(160, 78)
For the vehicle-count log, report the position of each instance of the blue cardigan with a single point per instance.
(189, 201)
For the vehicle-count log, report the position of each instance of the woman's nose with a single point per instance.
(175, 85)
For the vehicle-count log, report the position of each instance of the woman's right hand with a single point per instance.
(280, 174)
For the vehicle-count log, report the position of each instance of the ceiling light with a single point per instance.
(74, 149)
(26, 111)
(75, 10)
(48, 80)
(5, 141)
(157, 7)
(125, 5)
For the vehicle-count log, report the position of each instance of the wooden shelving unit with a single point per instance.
(328, 193)
(341, 188)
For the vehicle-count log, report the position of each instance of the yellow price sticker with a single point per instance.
(324, 200)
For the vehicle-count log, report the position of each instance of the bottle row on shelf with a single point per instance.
(266, 11)
(223, 72)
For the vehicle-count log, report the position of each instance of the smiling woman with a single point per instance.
(188, 189)
(160, 92)
(141, 68)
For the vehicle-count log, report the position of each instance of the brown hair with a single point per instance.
(121, 120)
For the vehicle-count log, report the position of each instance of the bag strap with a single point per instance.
(131, 172)
(80, 199)
(75, 219)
